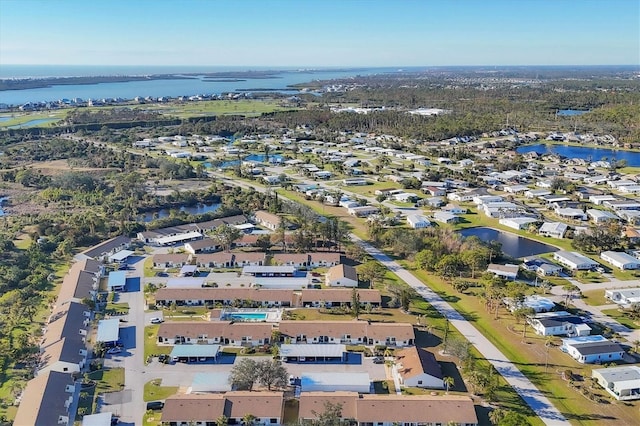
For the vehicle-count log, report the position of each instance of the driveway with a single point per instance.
(535, 399)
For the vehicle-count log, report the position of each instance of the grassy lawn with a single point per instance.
(369, 190)
(109, 380)
(86, 402)
(151, 346)
(117, 308)
(622, 317)
(154, 391)
(542, 367)
(148, 268)
(19, 119)
(383, 386)
(590, 277)
(595, 298)
(625, 275)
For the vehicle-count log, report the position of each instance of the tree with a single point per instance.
(355, 303)
(244, 374)
(225, 235)
(448, 382)
(222, 421)
(264, 242)
(248, 419)
(372, 271)
(331, 416)
(522, 314)
(271, 373)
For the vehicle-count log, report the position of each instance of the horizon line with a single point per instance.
(326, 66)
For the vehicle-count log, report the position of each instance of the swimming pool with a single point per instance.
(258, 316)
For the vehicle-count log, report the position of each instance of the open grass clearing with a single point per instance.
(595, 298)
(151, 346)
(153, 390)
(623, 318)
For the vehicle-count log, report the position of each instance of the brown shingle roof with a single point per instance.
(258, 295)
(193, 408)
(416, 361)
(260, 404)
(342, 271)
(249, 257)
(234, 331)
(312, 403)
(171, 258)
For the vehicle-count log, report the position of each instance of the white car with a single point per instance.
(156, 320)
(115, 350)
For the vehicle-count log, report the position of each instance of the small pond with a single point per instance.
(161, 213)
(512, 245)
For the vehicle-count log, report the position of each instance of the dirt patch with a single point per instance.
(56, 167)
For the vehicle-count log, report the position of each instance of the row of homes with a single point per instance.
(265, 297)
(241, 259)
(257, 333)
(363, 410)
(48, 398)
(188, 232)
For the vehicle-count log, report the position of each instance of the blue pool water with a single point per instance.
(249, 316)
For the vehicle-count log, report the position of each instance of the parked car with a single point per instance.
(115, 350)
(378, 360)
(155, 405)
(156, 320)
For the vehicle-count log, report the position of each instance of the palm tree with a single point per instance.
(448, 382)
(248, 419)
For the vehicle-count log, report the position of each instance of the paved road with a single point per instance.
(523, 386)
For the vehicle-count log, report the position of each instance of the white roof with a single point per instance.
(100, 419)
(186, 351)
(553, 227)
(255, 269)
(117, 279)
(120, 256)
(211, 382)
(108, 330)
(244, 226)
(575, 257)
(180, 237)
(356, 382)
(282, 282)
(315, 350)
(620, 257)
(185, 282)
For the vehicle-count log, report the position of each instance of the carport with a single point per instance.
(195, 353)
(313, 353)
(117, 280)
(120, 256)
(108, 331)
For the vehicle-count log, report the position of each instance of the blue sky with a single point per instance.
(320, 33)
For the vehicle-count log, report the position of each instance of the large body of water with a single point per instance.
(197, 85)
(512, 245)
(585, 153)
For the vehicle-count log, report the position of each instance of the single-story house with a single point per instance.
(182, 410)
(268, 220)
(445, 217)
(46, 400)
(215, 260)
(389, 410)
(348, 332)
(324, 259)
(215, 332)
(623, 383)
(361, 211)
(507, 271)
(327, 298)
(418, 221)
(574, 260)
(558, 323)
(553, 229)
(590, 351)
(601, 216)
(223, 296)
(341, 276)
(417, 367)
(620, 260)
(205, 245)
(518, 223)
(170, 260)
(623, 296)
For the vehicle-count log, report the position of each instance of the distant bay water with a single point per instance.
(583, 152)
(197, 84)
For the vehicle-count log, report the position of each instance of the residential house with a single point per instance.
(389, 410)
(590, 351)
(341, 276)
(558, 323)
(445, 217)
(183, 410)
(363, 211)
(623, 383)
(553, 229)
(215, 260)
(418, 221)
(103, 250)
(205, 245)
(601, 216)
(215, 332)
(268, 220)
(223, 296)
(46, 400)
(625, 296)
(620, 260)
(170, 260)
(518, 223)
(506, 271)
(242, 259)
(574, 260)
(348, 332)
(297, 260)
(324, 259)
(417, 367)
(327, 298)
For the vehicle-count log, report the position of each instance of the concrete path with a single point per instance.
(523, 386)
